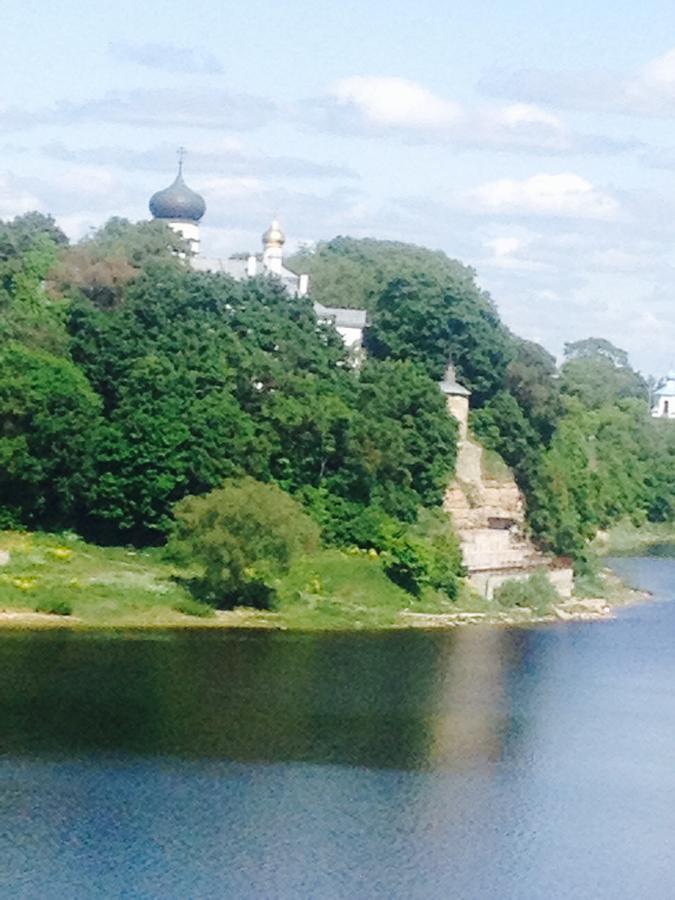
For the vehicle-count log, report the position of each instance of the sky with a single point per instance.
(534, 141)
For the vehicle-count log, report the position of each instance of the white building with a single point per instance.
(182, 209)
(664, 398)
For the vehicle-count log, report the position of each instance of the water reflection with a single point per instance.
(390, 700)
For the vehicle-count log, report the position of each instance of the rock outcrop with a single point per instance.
(488, 512)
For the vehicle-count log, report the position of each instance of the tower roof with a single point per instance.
(177, 201)
(450, 386)
(274, 236)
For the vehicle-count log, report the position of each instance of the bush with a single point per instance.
(244, 536)
(407, 563)
(535, 592)
(55, 606)
(188, 606)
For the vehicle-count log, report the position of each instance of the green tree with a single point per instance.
(531, 378)
(47, 414)
(29, 247)
(244, 536)
(594, 348)
(402, 444)
(23, 232)
(598, 373)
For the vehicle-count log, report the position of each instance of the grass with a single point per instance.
(626, 538)
(82, 585)
(112, 586)
(337, 590)
(62, 574)
(494, 468)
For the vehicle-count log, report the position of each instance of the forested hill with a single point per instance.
(128, 381)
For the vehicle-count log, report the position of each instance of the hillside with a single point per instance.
(130, 382)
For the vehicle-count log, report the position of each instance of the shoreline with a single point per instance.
(120, 589)
(574, 609)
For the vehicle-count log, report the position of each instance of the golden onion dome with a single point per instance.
(274, 236)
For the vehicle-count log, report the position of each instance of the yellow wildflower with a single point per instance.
(24, 584)
(62, 553)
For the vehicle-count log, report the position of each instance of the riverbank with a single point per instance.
(628, 539)
(59, 581)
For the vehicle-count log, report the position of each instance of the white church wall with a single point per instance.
(189, 231)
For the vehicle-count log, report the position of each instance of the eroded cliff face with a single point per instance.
(488, 512)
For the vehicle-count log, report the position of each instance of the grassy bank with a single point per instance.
(626, 538)
(59, 580)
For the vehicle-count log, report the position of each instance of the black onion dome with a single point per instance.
(177, 202)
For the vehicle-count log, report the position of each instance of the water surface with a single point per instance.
(476, 763)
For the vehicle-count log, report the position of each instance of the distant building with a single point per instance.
(663, 406)
(349, 323)
(183, 209)
(271, 262)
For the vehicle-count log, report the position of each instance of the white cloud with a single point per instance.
(226, 154)
(512, 253)
(396, 102)
(15, 199)
(372, 106)
(183, 107)
(77, 225)
(653, 87)
(516, 114)
(563, 195)
(90, 181)
(617, 259)
(648, 90)
(219, 189)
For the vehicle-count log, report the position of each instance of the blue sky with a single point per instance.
(532, 140)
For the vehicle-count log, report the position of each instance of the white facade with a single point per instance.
(663, 406)
(189, 231)
(273, 260)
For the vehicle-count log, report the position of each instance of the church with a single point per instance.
(182, 209)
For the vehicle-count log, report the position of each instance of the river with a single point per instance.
(482, 762)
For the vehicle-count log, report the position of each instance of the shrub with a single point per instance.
(535, 592)
(244, 536)
(55, 606)
(407, 563)
(188, 606)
